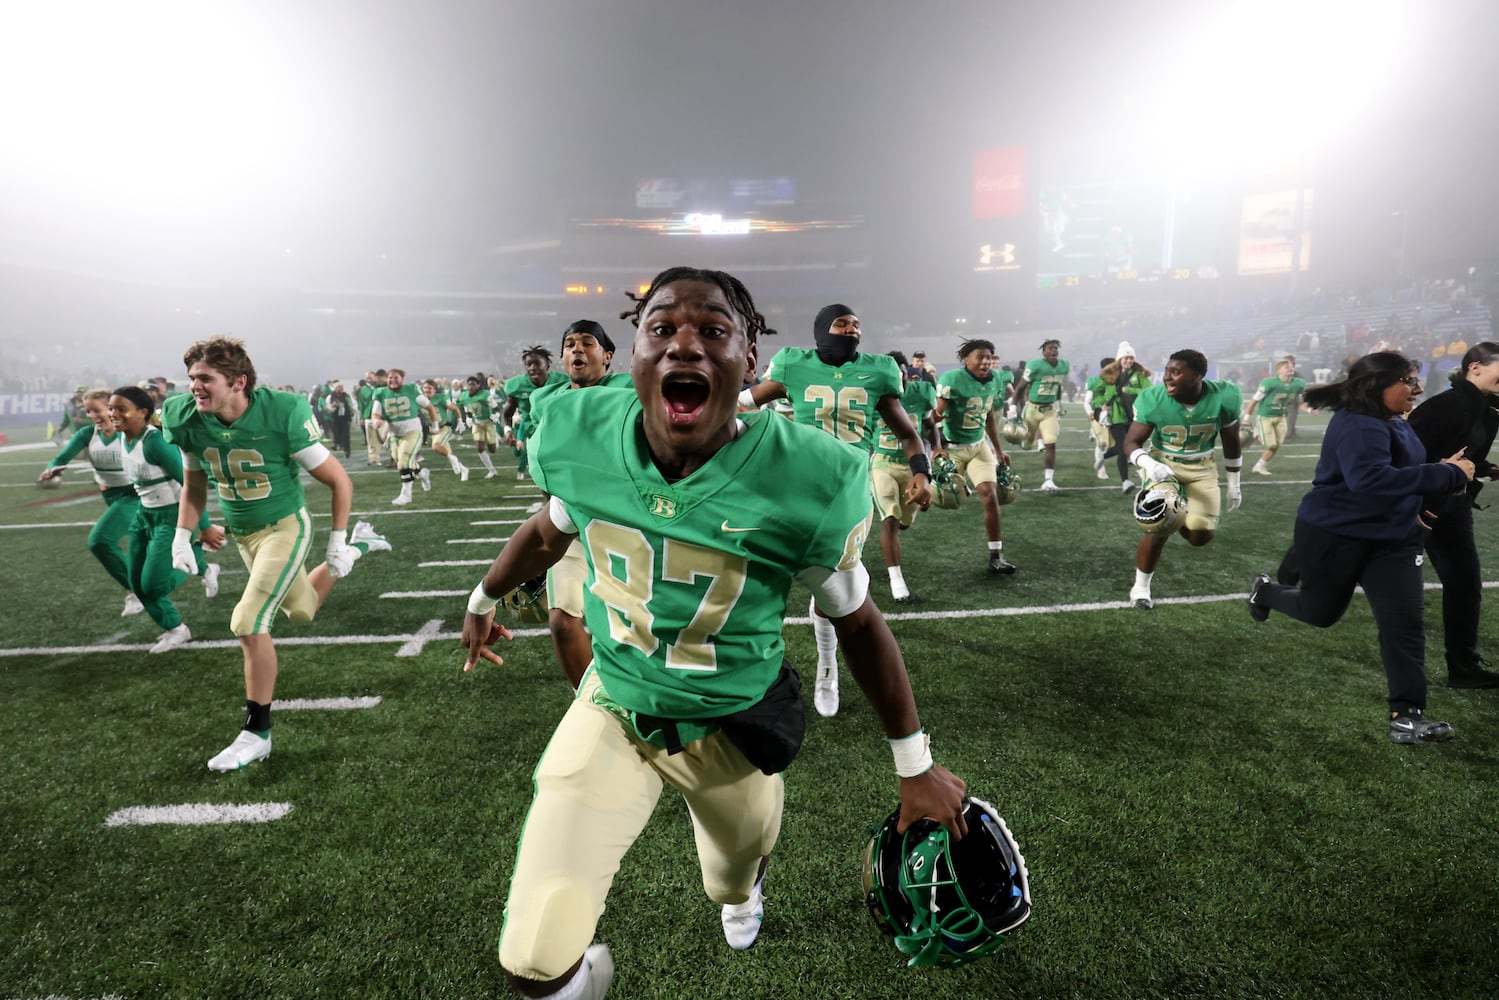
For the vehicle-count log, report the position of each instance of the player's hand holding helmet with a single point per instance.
(528, 602)
(1160, 506)
(948, 486)
(1012, 431)
(1006, 484)
(947, 901)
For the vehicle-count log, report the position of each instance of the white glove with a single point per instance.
(1235, 491)
(461, 427)
(183, 557)
(341, 554)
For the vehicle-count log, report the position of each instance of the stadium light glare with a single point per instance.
(1267, 81)
(182, 113)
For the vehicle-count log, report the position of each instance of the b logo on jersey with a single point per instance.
(663, 506)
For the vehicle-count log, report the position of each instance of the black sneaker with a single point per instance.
(998, 565)
(1257, 610)
(1409, 726)
(1472, 675)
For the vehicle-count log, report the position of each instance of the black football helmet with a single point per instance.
(947, 902)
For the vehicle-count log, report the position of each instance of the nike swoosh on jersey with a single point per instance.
(725, 527)
(864, 377)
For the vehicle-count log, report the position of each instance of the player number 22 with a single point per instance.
(625, 580)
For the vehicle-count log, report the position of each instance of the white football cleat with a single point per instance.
(741, 921)
(365, 532)
(598, 966)
(402, 500)
(1049, 486)
(1140, 597)
(246, 749)
(172, 638)
(211, 580)
(425, 475)
(491, 473)
(463, 473)
(133, 606)
(825, 691)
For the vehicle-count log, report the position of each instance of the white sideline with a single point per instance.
(197, 814)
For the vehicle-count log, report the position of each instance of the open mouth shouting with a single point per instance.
(684, 394)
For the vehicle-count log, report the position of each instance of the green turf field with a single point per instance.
(1209, 807)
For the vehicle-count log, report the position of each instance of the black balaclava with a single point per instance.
(831, 348)
(590, 327)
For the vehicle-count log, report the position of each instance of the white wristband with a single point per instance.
(183, 536)
(913, 754)
(338, 537)
(480, 603)
(1137, 455)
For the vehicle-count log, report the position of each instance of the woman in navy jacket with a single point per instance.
(1463, 416)
(1359, 526)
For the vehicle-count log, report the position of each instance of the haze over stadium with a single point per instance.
(312, 177)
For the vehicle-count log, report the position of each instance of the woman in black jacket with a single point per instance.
(1462, 416)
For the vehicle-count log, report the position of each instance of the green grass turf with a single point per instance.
(1209, 807)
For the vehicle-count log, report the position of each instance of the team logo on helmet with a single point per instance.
(1013, 431)
(1007, 485)
(528, 602)
(948, 486)
(946, 901)
(1160, 506)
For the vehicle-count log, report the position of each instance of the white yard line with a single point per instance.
(197, 814)
(477, 541)
(324, 704)
(424, 635)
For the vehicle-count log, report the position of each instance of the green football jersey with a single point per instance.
(1046, 379)
(480, 406)
(1274, 395)
(252, 461)
(838, 399)
(969, 402)
(402, 408)
(520, 388)
(919, 399)
(541, 397)
(687, 581)
(366, 397)
(1181, 431)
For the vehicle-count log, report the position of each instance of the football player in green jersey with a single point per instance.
(253, 444)
(517, 413)
(105, 447)
(480, 404)
(374, 434)
(965, 414)
(436, 392)
(680, 505)
(587, 351)
(1272, 401)
(1098, 426)
(890, 473)
(835, 388)
(400, 407)
(1175, 427)
(155, 471)
(1041, 388)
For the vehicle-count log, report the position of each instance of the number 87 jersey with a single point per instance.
(839, 399)
(687, 580)
(255, 462)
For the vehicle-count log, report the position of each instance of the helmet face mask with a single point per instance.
(1160, 506)
(948, 486)
(947, 902)
(528, 602)
(1006, 485)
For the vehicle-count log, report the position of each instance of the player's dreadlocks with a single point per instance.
(733, 289)
(539, 351)
(967, 347)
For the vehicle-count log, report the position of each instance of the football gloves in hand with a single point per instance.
(341, 554)
(184, 559)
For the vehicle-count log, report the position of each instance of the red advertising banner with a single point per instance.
(999, 182)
